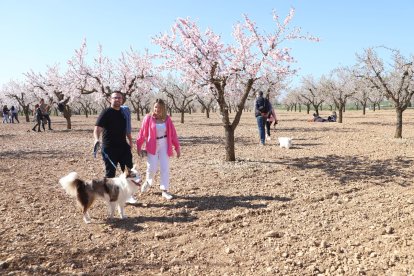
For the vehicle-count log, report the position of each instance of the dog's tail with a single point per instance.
(70, 184)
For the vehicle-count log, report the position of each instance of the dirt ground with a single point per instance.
(339, 202)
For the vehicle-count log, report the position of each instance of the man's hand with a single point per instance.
(178, 154)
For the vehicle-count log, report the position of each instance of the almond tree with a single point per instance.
(376, 97)
(272, 84)
(57, 88)
(312, 93)
(86, 103)
(141, 98)
(20, 92)
(340, 87)
(206, 61)
(205, 99)
(397, 82)
(363, 93)
(180, 92)
(105, 75)
(293, 99)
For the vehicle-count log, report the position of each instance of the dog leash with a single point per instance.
(95, 150)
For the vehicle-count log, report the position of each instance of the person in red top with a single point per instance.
(159, 135)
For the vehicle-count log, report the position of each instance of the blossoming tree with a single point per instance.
(395, 81)
(106, 75)
(19, 92)
(204, 59)
(55, 87)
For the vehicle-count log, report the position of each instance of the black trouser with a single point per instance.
(121, 155)
(268, 124)
(39, 122)
(46, 116)
(14, 116)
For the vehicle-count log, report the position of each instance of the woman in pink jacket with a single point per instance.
(158, 133)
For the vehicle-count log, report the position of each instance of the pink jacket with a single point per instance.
(148, 134)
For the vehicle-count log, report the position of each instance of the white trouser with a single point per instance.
(159, 159)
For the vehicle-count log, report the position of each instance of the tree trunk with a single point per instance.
(398, 130)
(207, 113)
(67, 115)
(364, 107)
(182, 116)
(26, 111)
(340, 110)
(138, 114)
(230, 153)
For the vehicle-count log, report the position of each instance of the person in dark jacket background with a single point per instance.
(261, 110)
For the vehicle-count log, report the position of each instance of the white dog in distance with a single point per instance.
(285, 142)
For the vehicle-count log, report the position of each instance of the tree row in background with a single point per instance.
(197, 70)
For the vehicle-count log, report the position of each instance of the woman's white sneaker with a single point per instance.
(132, 200)
(166, 195)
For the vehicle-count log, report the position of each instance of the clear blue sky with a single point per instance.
(36, 33)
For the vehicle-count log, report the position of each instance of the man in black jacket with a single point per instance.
(261, 111)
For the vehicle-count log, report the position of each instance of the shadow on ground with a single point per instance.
(221, 202)
(351, 168)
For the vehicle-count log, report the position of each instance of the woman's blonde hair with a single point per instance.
(161, 104)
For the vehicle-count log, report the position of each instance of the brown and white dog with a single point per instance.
(115, 191)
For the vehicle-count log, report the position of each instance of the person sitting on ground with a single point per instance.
(332, 118)
(317, 118)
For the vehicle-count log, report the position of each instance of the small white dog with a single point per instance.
(285, 142)
(115, 191)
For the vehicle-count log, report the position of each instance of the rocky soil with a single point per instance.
(339, 202)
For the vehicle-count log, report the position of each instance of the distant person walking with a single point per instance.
(159, 135)
(38, 118)
(14, 114)
(6, 114)
(261, 112)
(45, 112)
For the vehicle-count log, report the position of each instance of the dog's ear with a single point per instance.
(127, 172)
